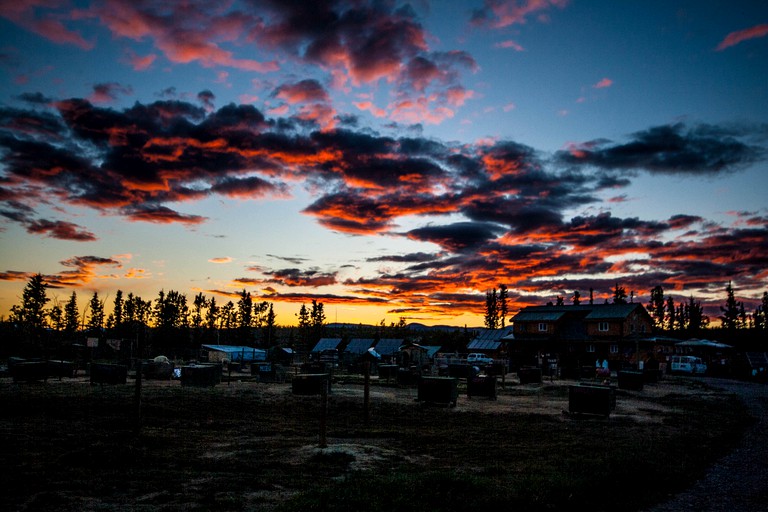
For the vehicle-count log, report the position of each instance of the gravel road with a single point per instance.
(739, 481)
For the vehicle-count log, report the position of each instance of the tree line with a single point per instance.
(167, 322)
(687, 316)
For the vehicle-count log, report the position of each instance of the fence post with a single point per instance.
(323, 415)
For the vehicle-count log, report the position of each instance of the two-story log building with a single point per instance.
(580, 335)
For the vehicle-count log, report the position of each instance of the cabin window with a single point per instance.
(543, 327)
(590, 348)
(614, 349)
(602, 326)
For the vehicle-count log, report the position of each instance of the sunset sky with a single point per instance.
(386, 159)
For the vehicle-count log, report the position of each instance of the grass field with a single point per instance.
(68, 445)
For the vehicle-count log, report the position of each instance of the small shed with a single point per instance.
(388, 347)
(413, 354)
(235, 353)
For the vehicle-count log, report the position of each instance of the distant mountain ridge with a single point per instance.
(415, 326)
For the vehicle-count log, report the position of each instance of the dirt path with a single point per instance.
(739, 481)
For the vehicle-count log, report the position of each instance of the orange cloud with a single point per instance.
(602, 84)
(738, 36)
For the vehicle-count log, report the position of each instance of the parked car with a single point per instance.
(478, 358)
(687, 364)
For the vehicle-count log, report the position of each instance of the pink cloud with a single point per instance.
(602, 84)
(25, 14)
(370, 107)
(139, 63)
(169, 28)
(457, 96)
(510, 44)
(302, 92)
(735, 38)
(503, 13)
(108, 92)
(419, 110)
(278, 111)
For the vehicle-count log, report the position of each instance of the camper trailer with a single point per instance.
(690, 365)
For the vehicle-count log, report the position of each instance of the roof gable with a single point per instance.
(326, 344)
(358, 345)
(587, 312)
(388, 346)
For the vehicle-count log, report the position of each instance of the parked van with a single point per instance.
(690, 365)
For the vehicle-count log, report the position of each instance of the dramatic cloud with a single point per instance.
(670, 149)
(297, 277)
(61, 230)
(457, 237)
(83, 270)
(498, 211)
(737, 37)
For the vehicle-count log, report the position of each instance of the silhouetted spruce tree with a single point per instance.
(56, 316)
(95, 316)
(269, 327)
(317, 317)
(619, 294)
(697, 320)
(671, 318)
(503, 308)
(212, 321)
(30, 316)
(730, 316)
(491, 310)
(245, 317)
(117, 310)
(227, 321)
(656, 306)
(171, 313)
(304, 328)
(761, 313)
(71, 317)
(199, 305)
(576, 298)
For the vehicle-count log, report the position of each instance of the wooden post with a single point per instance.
(137, 397)
(367, 392)
(323, 415)
(504, 374)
